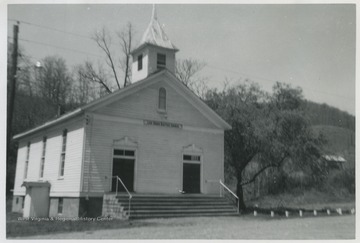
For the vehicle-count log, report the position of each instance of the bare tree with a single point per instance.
(54, 82)
(125, 42)
(84, 89)
(187, 71)
(103, 40)
(88, 72)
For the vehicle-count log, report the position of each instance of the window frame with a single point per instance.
(162, 100)
(63, 154)
(42, 159)
(23, 202)
(60, 207)
(159, 62)
(26, 169)
(140, 62)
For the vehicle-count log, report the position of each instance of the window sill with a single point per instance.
(162, 111)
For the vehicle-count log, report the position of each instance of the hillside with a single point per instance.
(322, 114)
(340, 141)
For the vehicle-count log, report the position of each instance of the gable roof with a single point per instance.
(131, 89)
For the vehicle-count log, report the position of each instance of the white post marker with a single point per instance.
(255, 213)
(328, 211)
(272, 213)
(300, 213)
(353, 211)
(315, 213)
(286, 214)
(339, 211)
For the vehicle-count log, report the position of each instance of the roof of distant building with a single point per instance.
(334, 158)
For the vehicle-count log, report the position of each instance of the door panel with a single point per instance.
(124, 168)
(191, 178)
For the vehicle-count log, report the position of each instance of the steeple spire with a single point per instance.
(154, 14)
(155, 34)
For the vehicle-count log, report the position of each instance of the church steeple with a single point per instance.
(154, 52)
(154, 15)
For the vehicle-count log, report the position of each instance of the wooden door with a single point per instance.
(191, 178)
(124, 168)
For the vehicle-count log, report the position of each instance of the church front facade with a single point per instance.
(155, 135)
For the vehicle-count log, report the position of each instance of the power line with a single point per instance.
(53, 29)
(59, 47)
(210, 66)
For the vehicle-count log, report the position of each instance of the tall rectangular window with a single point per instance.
(42, 162)
(60, 205)
(162, 99)
(27, 161)
(161, 60)
(63, 152)
(140, 63)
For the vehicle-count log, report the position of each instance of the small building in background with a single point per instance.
(334, 161)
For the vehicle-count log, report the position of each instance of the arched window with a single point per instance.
(162, 99)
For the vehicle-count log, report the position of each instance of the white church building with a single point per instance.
(155, 135)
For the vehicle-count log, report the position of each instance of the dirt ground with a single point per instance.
(243, 227)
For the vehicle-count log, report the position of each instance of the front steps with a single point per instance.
(161, 206)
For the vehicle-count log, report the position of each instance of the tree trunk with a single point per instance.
(240, 193)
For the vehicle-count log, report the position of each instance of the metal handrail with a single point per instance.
(117, 186)
(231, 192)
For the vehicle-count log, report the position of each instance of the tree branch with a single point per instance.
(263, 169)
(103, 43)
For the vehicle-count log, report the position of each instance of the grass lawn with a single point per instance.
(240, 227)
(20, 228)
(307, 200)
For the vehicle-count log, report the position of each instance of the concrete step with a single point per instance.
(157, 206)
(167, 203)
(203, 214)
(141, 199)
(183, 211)
(172, 200)
(177, 207)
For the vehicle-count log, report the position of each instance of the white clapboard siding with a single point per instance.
(158, 159)
(69, 185)
(144, 103)
(34, 159)
(20, 168)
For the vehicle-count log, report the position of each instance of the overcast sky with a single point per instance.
(310, 46)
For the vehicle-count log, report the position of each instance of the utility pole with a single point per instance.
(12, 85)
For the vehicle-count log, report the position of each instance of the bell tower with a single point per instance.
(155, 51)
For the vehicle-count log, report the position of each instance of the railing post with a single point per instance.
(231, 192)
(220, 188)
(117, 182)
(238, 203)
(129, 206)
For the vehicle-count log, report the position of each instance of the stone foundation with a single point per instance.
(17, 204)
(90, 207)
